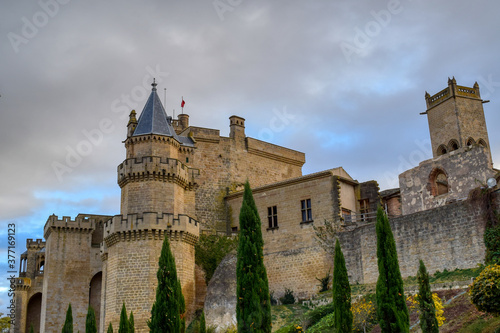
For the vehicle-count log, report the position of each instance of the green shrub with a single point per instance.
(288, 298)
(326, 324)
(210, 250)
(325, 282)
(485, 290)
(317, 314)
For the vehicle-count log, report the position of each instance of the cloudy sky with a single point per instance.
(342, 81)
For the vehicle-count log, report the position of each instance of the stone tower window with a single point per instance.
(482, 143)
(439, 182)
(470, 142)
(453, 145)
(441, 150)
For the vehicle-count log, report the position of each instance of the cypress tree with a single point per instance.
(253, 310)
(392, 312)
(110, 328)
(68, 324)
(124, 324)
(182, 306)
(90, 323)
(203, 324)
(166, 308)
(428, 320)
(32, 330)
(131, 323)
(341, 293)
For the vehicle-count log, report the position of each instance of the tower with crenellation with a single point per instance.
(157, 201)
(456, 118)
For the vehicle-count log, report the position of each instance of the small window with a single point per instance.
(187, 159)
(442, 150)
(482, 143)
(272, 217)
(439, 182)
(305, 206)
(346, 215)
(470, 142)
(453, 145)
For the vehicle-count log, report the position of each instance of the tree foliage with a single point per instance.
(485, 290)
(341, 292)
(253, 310)
(90, 322)
(131, 323)
(166, 308)
(203, 324)
(210, 250)
(363, 312)
(428, 321)
(326, 235)
(124, 324)
(68, 323)
(4, 323)
(110, 328)
(392, 312)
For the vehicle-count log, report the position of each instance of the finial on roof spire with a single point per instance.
(154, 84)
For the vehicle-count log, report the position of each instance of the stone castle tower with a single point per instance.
(157, 201)
(456, 118)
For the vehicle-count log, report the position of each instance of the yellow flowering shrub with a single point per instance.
(438, 304)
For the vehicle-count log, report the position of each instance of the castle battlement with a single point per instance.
(452, 90)
(82, 223)
(37, 244)
(157, 168)
(23, 283)
(149, 225)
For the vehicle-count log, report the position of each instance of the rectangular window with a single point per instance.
(305, 206)
(272, 217)
(346, 214)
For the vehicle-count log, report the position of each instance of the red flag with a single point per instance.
(182, 103)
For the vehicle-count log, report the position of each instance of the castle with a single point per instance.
(178, 181)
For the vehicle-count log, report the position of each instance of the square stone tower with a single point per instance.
(456, 118)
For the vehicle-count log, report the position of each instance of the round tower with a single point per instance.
(158, 200)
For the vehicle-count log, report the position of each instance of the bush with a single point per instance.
(288, 298)
(325, 282)
(326, 324)
(317, 314)
(292, 328)
(210, 250)
(485, 290)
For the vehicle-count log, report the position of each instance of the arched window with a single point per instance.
(95, 295)
(470, 142)
(453, 145)
(482, 143)
(439, 182)
(442, 150)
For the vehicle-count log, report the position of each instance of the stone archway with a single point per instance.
(95, 296)
(33, 313)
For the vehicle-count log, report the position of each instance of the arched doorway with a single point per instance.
(33, 313)
(95, 296)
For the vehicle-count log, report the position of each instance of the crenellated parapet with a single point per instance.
(452, 90)
(134, 227)
(159, 169)
(37, 244)
(22, 283)
(81, 224)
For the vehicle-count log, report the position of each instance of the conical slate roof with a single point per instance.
(153, 119)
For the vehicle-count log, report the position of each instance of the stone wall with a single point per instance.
(466, 168)
(446, 237)
(225, 163)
